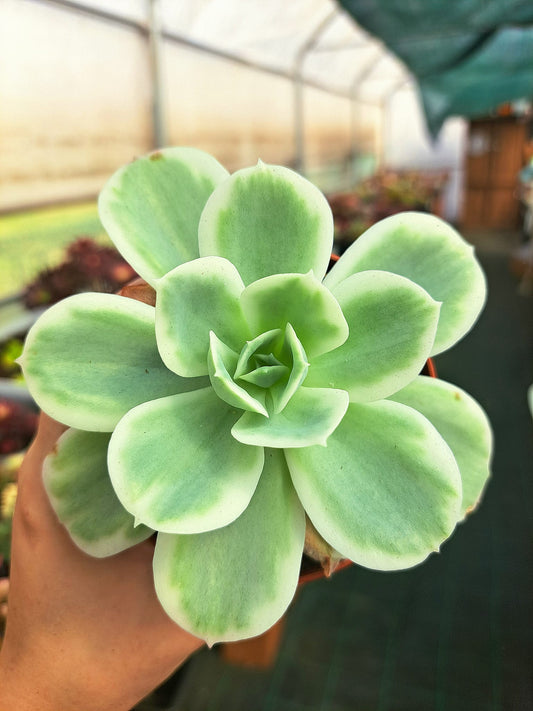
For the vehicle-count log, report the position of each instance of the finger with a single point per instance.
(48, 432)
(33, 512)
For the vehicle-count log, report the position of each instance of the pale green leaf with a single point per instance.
(192, 300)
(431, 253)
(268, 220)
(302, 301)
(237, 581)
(392, 325)
(386, 491)
(219, 358)
(92, 357)
(266, 375)
(263, 344)
(176, 467)
(462, 423)
(77, 481)
(151, 208)
(310, 417)
(293, 353)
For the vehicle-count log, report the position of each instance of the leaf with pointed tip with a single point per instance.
(176, 467)
(292, 350)
(151, 208)
(431, 253)
(310, 417)
(385, 492)
(192, 300)
(92, 357)
(224, 385)
(264, 376)
(302, 301)
(268, 220)
(392, 325)
(263, 344)
(237, 581)
(462, 423)
(77, 481)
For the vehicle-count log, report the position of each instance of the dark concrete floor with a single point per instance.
(453, 634)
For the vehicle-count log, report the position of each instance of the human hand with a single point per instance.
(83, 633)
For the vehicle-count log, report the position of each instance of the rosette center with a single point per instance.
(264, 375)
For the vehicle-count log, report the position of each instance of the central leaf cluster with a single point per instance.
(265, 374)
(256, 344)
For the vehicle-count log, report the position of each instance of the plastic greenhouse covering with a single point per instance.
(303, 83)
(312, 40)
(468, 55)
(294, 83)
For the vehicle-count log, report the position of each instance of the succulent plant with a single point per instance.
(259, 390)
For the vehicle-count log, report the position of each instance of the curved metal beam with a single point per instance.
(298, 84)
(176, 38)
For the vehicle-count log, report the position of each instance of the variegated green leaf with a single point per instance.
(151, 208)
(192, 300)
(392, 325)
(293, 353)
(268, 220)
(92, 357)
(310, 416)
(176, 467)
(264, 344)
(302, 301)
(77, 481)
(431, 253)
(386, 491)
(462, 423)
(237, 581)
(222, 362)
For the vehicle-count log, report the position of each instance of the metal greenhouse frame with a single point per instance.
(312, 41)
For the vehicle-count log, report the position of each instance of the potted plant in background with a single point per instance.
(259, 396)
(382, 195)
(87, 266)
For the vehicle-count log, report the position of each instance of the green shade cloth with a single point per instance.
(468, 57)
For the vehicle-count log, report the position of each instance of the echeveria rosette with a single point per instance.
(258, 393)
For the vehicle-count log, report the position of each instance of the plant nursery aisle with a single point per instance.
(453, 634)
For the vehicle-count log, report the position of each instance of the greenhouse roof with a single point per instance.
(314, 41)
(466, 56)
